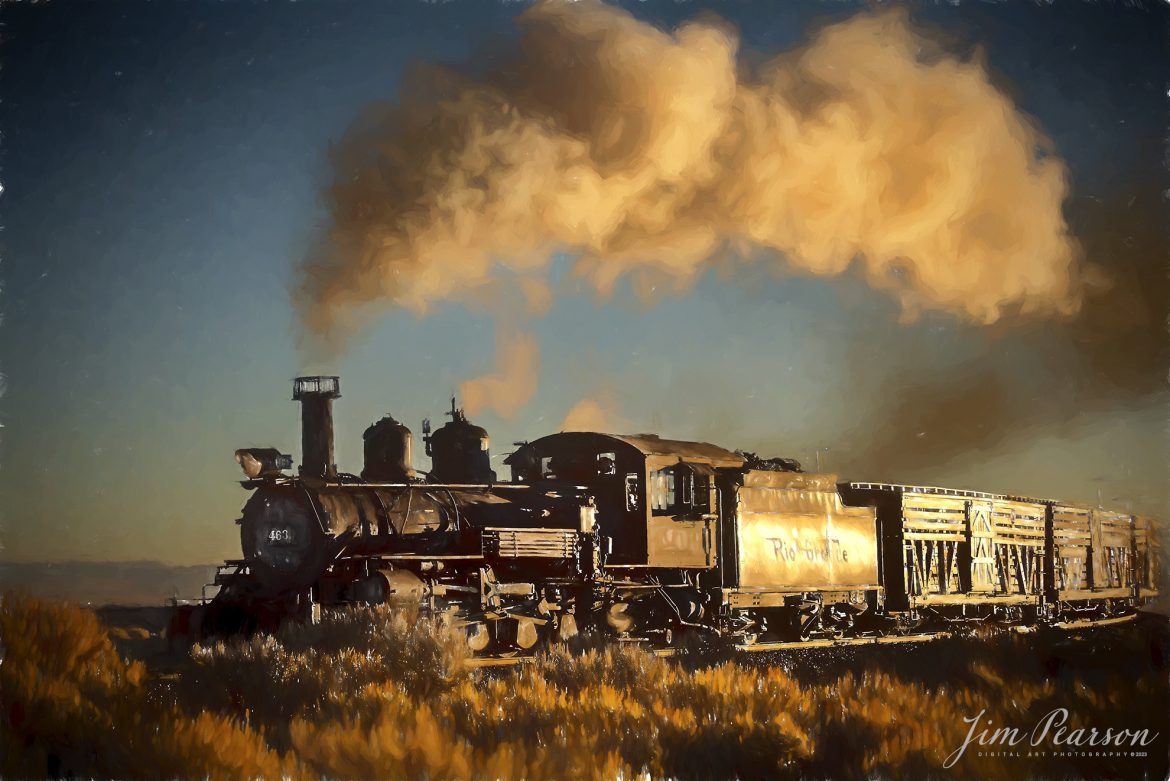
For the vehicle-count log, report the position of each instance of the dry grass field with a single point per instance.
(383, 695)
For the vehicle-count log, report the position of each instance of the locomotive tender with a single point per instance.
(644, 538)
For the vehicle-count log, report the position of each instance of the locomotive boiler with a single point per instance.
(644, 538)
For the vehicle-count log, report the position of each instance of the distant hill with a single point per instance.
(106, 582)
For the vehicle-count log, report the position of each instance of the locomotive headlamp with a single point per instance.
(262, 462)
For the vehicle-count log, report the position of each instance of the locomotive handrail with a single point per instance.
(293, 480)
(405, 514)
(455, 507)
(316, 512)
(386, 513)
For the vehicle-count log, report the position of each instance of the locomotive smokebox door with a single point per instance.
(282, 539)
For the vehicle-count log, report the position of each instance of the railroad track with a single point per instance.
(515, 661)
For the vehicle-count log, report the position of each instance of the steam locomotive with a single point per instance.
(646, 538)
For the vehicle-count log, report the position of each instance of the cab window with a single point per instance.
(680, 489)
(607, 463)
(662, 491)
(701, 491)
(632, 492)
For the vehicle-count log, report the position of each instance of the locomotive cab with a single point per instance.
(657, 499)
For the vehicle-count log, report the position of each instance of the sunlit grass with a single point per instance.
(386, 695)
(72, 706)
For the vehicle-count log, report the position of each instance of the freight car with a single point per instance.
(645, 538)
(961, 555)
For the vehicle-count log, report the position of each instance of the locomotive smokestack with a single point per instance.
(316, 395)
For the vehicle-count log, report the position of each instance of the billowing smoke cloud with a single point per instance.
(927, 421)
(1117, 351)
(1121, 335)
(646, 154)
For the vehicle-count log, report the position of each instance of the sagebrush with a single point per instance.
(387, 695)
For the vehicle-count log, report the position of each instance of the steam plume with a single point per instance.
(597, 412)
(510, 386)
(646, 154)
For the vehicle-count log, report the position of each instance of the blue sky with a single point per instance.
(163, 164)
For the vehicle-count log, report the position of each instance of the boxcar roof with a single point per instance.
(930, 489)
(923, 489)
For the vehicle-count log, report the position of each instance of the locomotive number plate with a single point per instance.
(280, 537)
